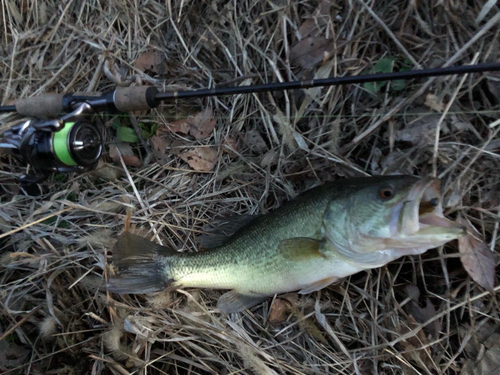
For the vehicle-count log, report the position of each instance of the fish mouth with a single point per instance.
(421, 216)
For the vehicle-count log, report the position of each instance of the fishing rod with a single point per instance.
(51, 142)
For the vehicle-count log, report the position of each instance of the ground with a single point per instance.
(241, 155)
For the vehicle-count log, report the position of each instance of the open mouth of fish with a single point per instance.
(421, 216)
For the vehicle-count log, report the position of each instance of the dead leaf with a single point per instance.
(433, 102)
(413, 347)
(421, 132)
(201, 159)
(477, 259)
(151, 62)
(292, 298)
(311, 51)
(279, 310)
(11, 355)
(159, 146)
(478, 333)
(176, 146)
(230, 146)
(202, 125)
(107, 171)
(127, 154)
(269, 158)
(422, 314)
(488, 361)
(179, 126)
(312, 26)
(115, 73)
(255, 141)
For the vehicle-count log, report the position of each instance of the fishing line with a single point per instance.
(320, 116)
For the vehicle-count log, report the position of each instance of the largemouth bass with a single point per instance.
(327, 233)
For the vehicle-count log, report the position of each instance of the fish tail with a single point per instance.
(140, 266)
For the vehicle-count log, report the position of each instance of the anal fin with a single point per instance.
(320, 284)
(234, 301)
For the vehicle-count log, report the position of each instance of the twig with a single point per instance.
(19, 323)
(441, 119)
(34, 222)
(390, 33)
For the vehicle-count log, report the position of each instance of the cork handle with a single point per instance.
(135, 98)
(44, 106)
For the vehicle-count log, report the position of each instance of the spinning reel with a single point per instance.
(68, 144)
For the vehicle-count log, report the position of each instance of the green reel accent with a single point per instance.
(60, 143)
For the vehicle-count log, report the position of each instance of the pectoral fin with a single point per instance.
(235, 301)
(318, 285)
(301, 248)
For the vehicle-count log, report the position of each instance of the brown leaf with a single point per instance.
(176, 146)
(413, 347)
(269, 158)
(421, 132)
(291, 297)
(202, 124)
(127, 154)
(255, 141)
(279, 310)
(179, 126)
(422, 314)
(159, 145)
(311, 51)
(433, 102)
(11, 355)
(478, 333)
(151, 62)
(107, 171)
(489, 358)
(230, 146)
(477, 259)
(115, 73)
(201, 159)
(311, 26)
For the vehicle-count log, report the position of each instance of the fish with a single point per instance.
(325, 234)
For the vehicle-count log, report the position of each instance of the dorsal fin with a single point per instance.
(220, 230)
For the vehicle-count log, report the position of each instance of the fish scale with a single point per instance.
(255, 248)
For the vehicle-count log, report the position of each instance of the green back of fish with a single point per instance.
(254, 248)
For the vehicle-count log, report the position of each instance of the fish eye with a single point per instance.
(386, 192)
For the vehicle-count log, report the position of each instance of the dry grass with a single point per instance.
(366, 324)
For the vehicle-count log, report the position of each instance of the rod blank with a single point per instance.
(334, 81)
(146, 97)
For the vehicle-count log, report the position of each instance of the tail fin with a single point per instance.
(141, 266)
